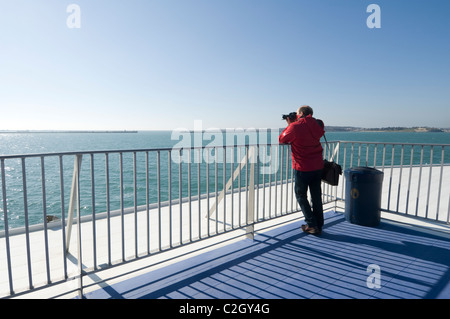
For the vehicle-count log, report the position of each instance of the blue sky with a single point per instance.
(163, 64)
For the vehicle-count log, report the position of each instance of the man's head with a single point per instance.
(305, 110)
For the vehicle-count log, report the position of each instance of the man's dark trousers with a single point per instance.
(311, 180)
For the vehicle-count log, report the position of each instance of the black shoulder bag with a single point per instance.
(331, 170)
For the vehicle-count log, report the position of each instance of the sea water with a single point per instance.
(30, 143)
(57, 142)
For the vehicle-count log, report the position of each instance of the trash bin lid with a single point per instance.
(364, 170)
(364, 173)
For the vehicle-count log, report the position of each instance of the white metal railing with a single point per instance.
(415, 175)
(165, 197)
(128, 204)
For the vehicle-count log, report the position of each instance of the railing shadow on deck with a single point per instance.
(287, 264)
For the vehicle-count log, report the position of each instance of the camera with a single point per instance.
(292, 116)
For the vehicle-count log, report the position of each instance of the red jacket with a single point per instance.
(304, 137)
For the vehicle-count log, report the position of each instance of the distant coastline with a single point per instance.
(386, 129)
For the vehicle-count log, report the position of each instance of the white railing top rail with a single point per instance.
(392, 143)
(137, 150)
(108, 151)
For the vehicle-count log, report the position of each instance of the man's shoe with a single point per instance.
(311, 230)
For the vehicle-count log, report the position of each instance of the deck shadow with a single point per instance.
(287, 264)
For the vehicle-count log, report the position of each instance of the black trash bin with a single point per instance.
(363, 187)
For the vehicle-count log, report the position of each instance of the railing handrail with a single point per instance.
(155, 149)
(137, 150)
(392, 143)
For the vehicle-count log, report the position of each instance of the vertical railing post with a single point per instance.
(250, 229)
(73, 198)
(5, 218)
(80, 262)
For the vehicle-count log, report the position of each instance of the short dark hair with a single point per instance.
(306, 110)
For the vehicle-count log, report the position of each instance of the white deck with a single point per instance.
(427, 205)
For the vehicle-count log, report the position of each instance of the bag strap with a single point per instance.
(326, 142)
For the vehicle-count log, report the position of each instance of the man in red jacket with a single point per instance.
(304, 136)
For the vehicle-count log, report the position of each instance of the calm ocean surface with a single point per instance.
(29, 143)
(32, 143)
